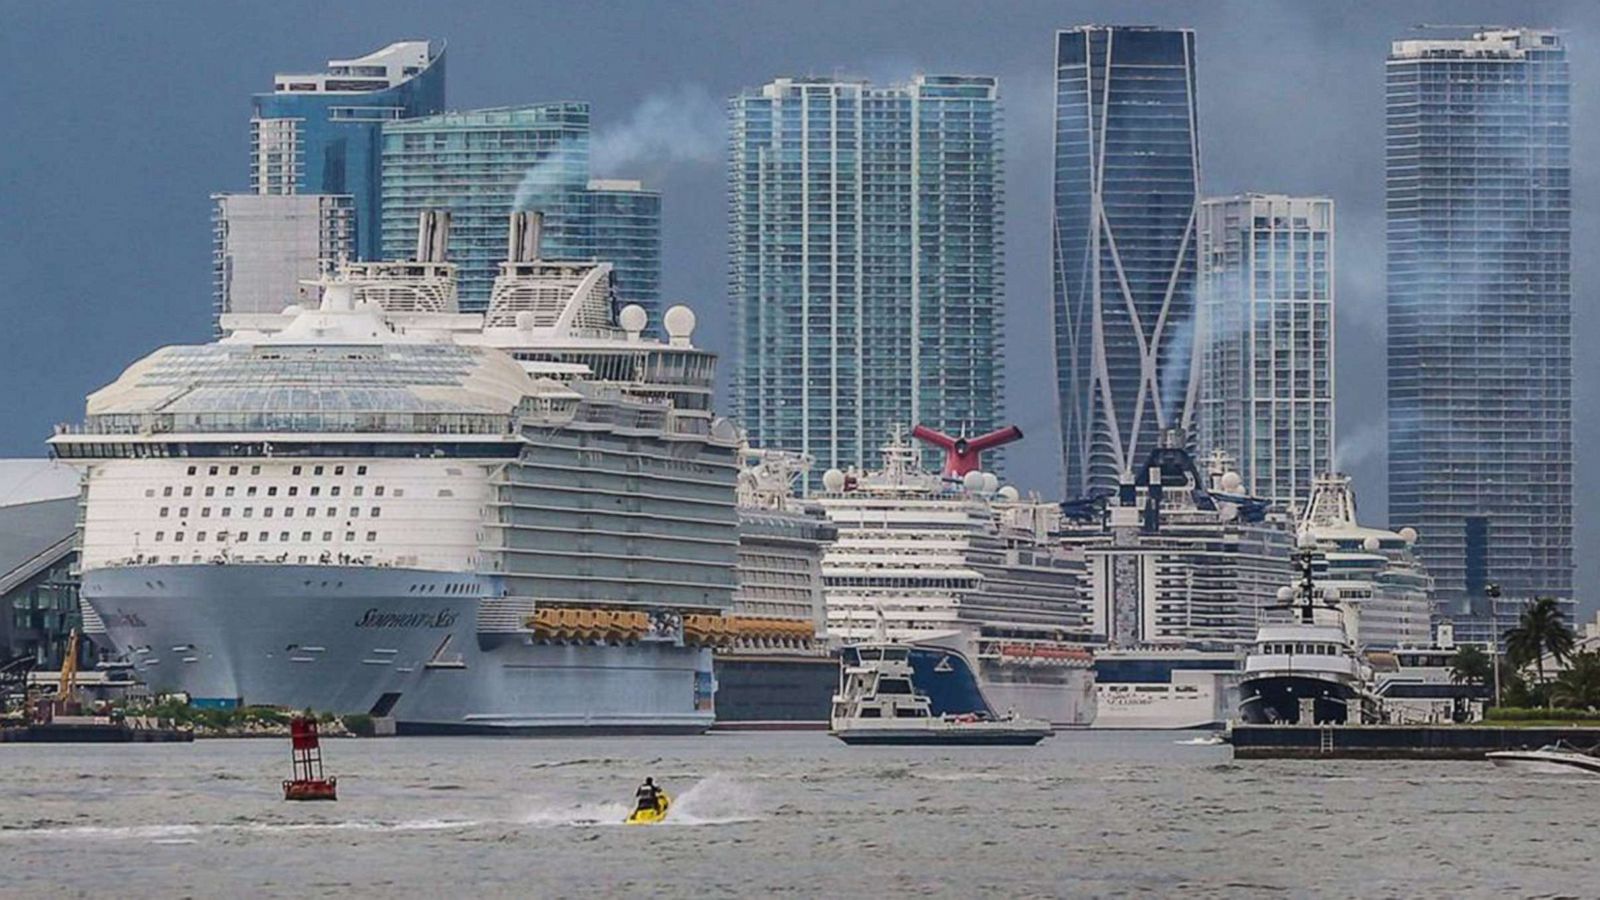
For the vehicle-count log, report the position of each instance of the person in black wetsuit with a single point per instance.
(648, 795)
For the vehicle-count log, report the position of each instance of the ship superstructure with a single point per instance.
(523, 521)
(920, 555)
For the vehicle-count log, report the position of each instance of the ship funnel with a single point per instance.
(522, 239)
(433, 235)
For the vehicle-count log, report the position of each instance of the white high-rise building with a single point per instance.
(267, 244)
(1267, 340)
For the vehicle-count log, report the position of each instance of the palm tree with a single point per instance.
(1579, 686)
(1540, 631)
(1470, 665)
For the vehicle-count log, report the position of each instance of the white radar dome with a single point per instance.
(1408, 534)
(1371, 544)
(1009, 494)
(833, 481)
(1285, 593)
(679, 322)
(1330, 594)
(633, 319)
(525, 320)
(991, 483)
(1231, 482)
(1305, 541)
(972, 481)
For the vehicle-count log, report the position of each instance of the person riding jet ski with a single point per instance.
(648, 795)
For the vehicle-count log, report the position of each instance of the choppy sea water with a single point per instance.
(783, 813)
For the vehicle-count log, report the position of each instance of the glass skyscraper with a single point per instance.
(866, 270)
(1267, 341)
(482, 165)
(1124, 245)
(265, 245)
(1480, 311)
(319, 134)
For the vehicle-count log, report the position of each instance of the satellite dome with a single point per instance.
(1371, 544)
(1285, 593)
(633, 319)
(972, 481)
(1408, 534)
(1009, 494)
(679, 322)
(833, 480)
(1330, 594)
(991, 482)
(1231, 482)
(1305, 541)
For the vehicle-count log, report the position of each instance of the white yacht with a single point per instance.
(1555, 759)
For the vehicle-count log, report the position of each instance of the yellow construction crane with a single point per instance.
(69, 670)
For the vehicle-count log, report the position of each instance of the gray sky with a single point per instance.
(123, 118)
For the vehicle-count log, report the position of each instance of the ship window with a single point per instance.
(288, 512)
(266, 512)
(305, 535)
(349, 535)
(327, 535)
(164, 511)
(316, 491)
(191, 470)
(295, 470)
(227, 511)
(398, 492)
(250, 491)
(361, 470)
(333, 491)
(263, 535)
(311, 512)
(211, 470)
(355, 512)
(178, 536)
(333, 512)
(211, 492)
(233, 470)
(165, 492)
(446, 492)
(272, 492)
(244, 535)
(205, 512)
(317, 471)
(301, 557)
(374, 512)
(183, 512)
(359, 490)
(377, 491)
(200, 535)
(161, 535)
(248, 510)
(894, 686)
(255, 470)
(338, 470)
(188, 492)
(871, 712)
(294, 491)
(283, 535)
(372, 535)
(228, 491)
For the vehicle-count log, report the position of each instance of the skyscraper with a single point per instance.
(866, 261)
(1126, 183)
(319, 134)
(1267, 341)
(266, 245)
(1480, 311)
(482, 165)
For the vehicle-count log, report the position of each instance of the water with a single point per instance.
(791, 813)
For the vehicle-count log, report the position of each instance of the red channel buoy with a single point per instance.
(306, 759)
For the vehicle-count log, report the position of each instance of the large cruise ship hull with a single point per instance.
(391, 641)
(775, 691)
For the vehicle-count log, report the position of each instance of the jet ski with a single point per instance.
(650, 815)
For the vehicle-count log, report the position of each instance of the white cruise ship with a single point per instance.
(920, 555)
(518, 522)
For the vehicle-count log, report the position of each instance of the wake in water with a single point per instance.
(711, 801)
(176, 833)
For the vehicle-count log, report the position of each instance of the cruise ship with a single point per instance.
(522, 521)
(777, 672)
(923, 555)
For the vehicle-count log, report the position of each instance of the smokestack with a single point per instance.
(523, 238)
(433, 235)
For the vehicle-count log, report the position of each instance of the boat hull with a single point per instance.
(930, 737)
(394, 642)
(1273, 699)
(1544, 763)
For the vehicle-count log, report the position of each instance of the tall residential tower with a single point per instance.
(1267, 341)
(1126, 183)
(481, 165)
(319, 134)
(866, 261)
(1480, 311)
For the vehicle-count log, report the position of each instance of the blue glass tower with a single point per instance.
(483, 164)
(866, 261)
(1479, 206)
(321, 133)
(1126, 184)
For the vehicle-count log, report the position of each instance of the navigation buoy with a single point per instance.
(306, 760)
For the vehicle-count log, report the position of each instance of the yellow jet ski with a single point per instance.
(650, 815)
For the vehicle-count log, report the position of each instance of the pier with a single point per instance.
(1396, 741)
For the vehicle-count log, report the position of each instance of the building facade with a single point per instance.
(1480, 312)
(1124, 245)
(866, 261)
(320, 133)
(1266, 346)
(265, 245)
(482, 165)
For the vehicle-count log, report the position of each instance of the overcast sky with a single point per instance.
(121, 120)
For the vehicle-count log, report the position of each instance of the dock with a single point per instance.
(1397, 741)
